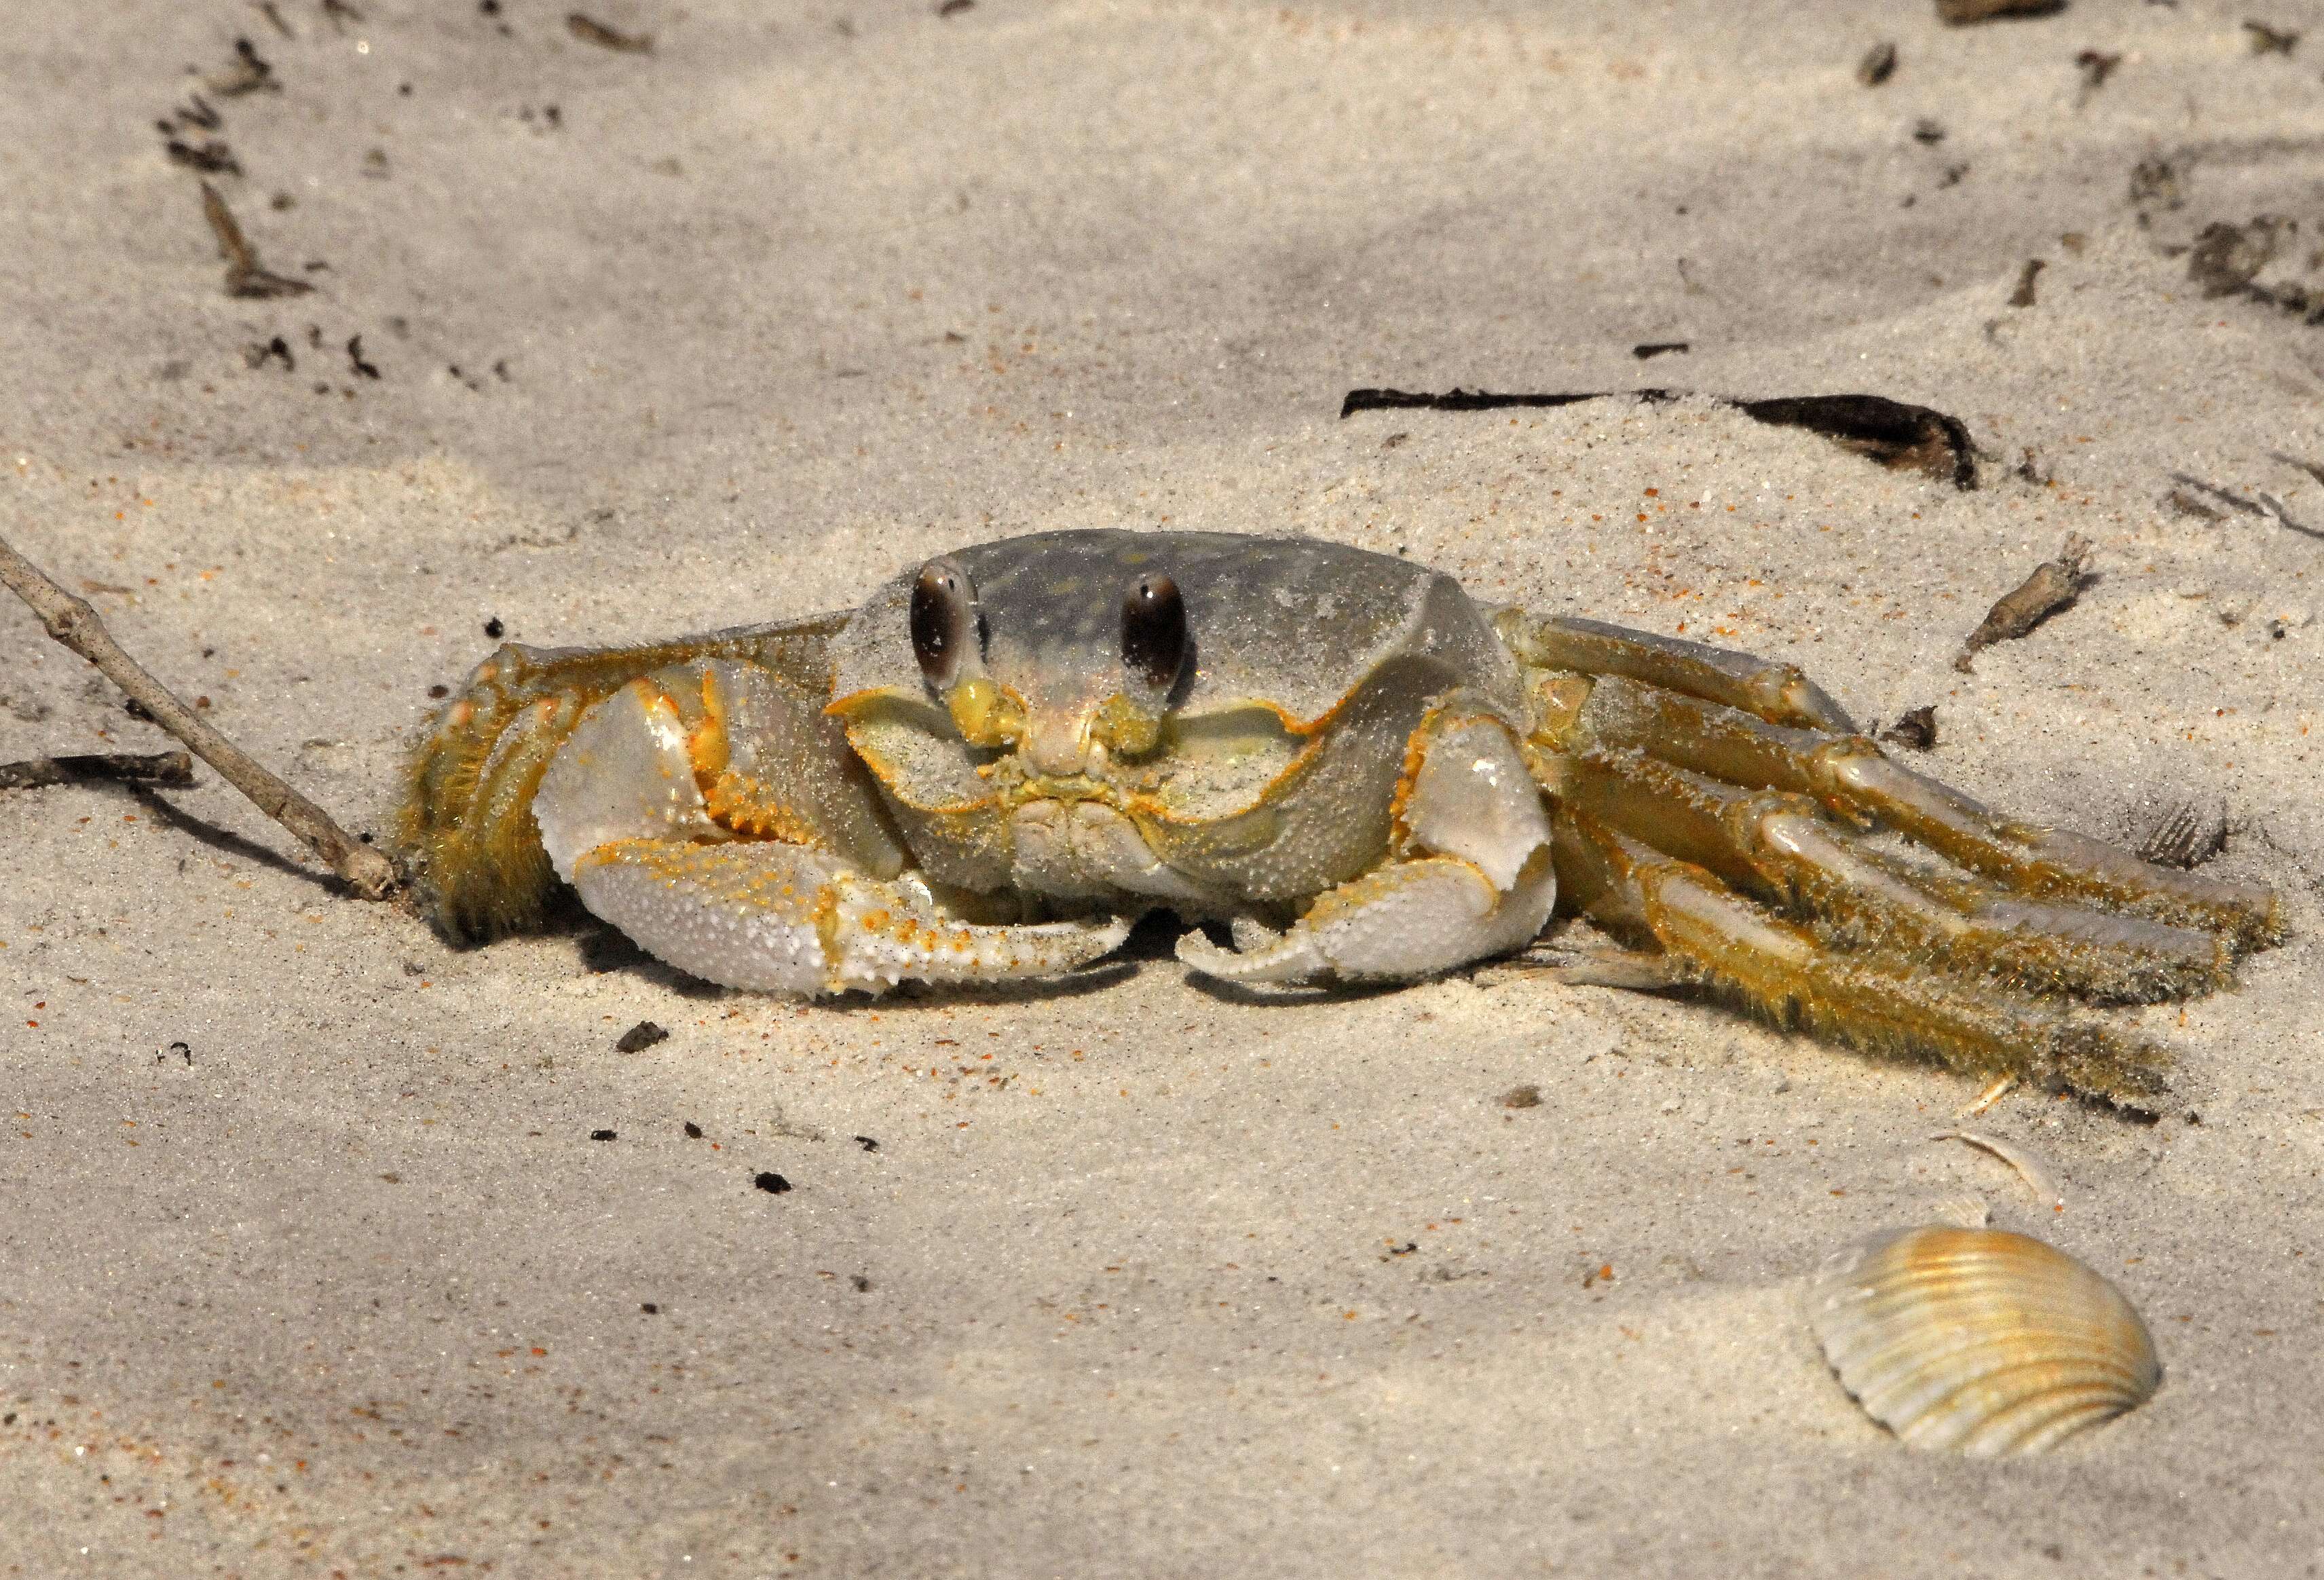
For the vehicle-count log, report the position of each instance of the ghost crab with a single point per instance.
(1006, 755)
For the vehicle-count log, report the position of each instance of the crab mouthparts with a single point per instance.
(1079, 848)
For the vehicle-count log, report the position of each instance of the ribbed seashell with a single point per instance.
(1978, 1340)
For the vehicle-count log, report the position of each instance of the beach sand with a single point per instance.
(309, 1263)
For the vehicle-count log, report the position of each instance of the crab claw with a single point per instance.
(1407, 920)
(779, 918)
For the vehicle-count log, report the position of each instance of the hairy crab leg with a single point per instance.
(483, 869)
(1786, 974)
(466, 821)
(1782, 847)
(1779, 693)
(1851, 774)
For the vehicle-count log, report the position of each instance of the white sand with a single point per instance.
(1123, 1288)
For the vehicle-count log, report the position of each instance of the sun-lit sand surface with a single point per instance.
(1124, 1277)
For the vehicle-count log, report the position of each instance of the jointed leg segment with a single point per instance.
(1790, 975)
(1680, 785)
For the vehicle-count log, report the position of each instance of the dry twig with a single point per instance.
(70, 620)
(590, 31)
(245, 276)
(1961, 13)
(170, 768)
(2054, 585)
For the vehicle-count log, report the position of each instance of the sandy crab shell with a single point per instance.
(1979, 1341)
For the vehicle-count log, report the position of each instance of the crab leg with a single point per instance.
(1787, 973)
(468, 820)
(1781, 846)
(1779, 693)
(1851, 774)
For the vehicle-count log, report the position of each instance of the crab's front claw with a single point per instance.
(1477, 881)
(1406, 920)
(784, 918)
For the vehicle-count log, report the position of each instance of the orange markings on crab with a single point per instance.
(736, 802)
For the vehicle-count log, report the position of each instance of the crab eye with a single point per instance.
(1154, 631)
(945, 621)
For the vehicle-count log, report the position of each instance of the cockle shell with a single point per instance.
(1978, 1340)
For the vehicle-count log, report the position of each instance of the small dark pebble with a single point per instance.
(1928, 132)
(1526, 1096)
(867, 1143)
(693, 1131)
(1652, 348)
(773, 1184)
(439, 691)
(954, 8)
(1878, 65)
(602, 1135)
(1916, 729)
(641, 1037)
(862, 1285)
(650, 1308)
(493, 628)
(137, 710)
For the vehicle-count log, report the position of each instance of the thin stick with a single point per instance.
(1988, 1097)
(70, 620)
(245, 275)
(174, 768)
(2054, 585)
